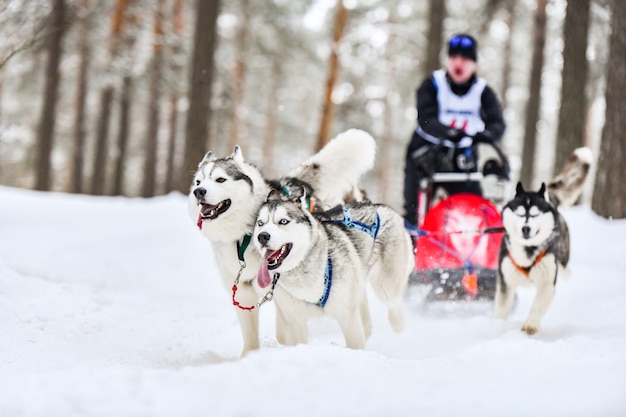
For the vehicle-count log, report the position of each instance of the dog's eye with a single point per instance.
(220, 180)
(259, 223)
(197, 182)
(283, 222)
(533, 212)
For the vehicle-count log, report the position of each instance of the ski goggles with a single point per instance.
(461, 41)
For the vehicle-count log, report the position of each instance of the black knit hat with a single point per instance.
(464, 45)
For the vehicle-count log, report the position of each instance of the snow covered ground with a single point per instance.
(112, 307)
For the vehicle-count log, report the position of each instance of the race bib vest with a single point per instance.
(460, 112)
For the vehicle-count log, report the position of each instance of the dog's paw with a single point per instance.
(529, 330)
(565, 272)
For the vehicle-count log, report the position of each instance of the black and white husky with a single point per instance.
(226, 194)
(320, 263)
(536, 245)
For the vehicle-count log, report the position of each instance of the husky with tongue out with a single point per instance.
(320, 263)
(226, 194)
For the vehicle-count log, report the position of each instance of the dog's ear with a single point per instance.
(519, 189)
(274, 195)
(208, 157)
(237, 154)
(543, 191)
(296, 193)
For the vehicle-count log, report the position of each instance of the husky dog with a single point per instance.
(536, 239)
(226, 194)
(321, 263)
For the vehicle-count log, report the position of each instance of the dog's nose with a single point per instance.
(199, 192)
(263, 238)
(526, 231)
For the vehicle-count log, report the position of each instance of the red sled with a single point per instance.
(457, 242)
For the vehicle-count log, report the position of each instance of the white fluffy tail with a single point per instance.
(567, 186)
(335, 170)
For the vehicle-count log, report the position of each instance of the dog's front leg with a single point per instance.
(366, 317)
(395, 316)
(543, 299)
(352, 328)
(291, 319)
(248, 319)
(505, 296)
(249, 322)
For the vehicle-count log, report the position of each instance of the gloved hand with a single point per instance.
(483, 137)
(455, 135)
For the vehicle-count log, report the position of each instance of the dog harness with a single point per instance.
(328, 282)
(348, 222)
(526, 269)
(241, 248)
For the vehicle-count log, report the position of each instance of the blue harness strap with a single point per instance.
(348, 222)
(328, 282)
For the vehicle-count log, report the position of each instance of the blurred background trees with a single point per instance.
(124, 97)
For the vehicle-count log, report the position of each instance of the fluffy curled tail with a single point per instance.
(335, 170)
(567, 186)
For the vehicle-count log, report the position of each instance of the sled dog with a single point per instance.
(226, 194)
(321, 263)
(536, 245)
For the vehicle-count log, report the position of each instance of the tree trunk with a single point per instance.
(45, 133)
(490, 8)
(269, 139)
(171, 143)
(98, 176)
(99, 173)
(434, 42)
(78, 153)
(571, 129)
(122, 136)
(506, 67)
(333, 68)
(156, 73)
(609, 197)
(239, 75)
(198, 114)
(386, 147)
(1, 85)
(176, 70)
(534, 95)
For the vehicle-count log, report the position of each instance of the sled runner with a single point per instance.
(457, 239)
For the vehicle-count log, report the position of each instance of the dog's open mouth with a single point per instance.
(275, 258)
(212, 211)
(272, 259)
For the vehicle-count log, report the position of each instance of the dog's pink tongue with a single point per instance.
(199, 221)
(263, 278)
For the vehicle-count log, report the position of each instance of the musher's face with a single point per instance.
(460, 68)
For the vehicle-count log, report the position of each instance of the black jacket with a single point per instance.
(428, 110)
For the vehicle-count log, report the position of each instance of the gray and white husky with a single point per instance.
(536, 244)
(321, 264)
(226, 194)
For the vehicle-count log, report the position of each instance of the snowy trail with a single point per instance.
(111, 306)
